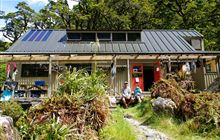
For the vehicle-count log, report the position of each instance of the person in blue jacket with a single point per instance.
(138, 93)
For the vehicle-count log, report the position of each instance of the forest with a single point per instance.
(201, 15)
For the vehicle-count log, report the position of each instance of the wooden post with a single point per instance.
(115, 79)
(204, 73)
(50, 77)
(169, 65)
(128, 71)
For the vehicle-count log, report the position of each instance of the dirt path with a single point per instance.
(145, 132)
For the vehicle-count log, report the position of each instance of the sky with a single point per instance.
(9, 6)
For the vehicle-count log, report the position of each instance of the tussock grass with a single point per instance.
(174, 128)
(117, 128)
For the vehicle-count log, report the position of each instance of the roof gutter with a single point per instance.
(110, 53)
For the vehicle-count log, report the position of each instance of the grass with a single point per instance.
(174, 128)
(117, 128)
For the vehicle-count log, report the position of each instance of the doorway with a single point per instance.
(148, 78)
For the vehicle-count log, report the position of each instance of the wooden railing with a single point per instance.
(209, 78)
(28, 82)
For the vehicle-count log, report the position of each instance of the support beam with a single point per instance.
(115, 79)
(50, 77)
(128, 71)
(169, 65)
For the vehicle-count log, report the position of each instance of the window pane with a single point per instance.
(34, 70)
(88, 37)
(74, 36)
(134, 37)
(118, 37)
(104, 36)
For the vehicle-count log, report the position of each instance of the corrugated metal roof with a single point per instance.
(152, 41)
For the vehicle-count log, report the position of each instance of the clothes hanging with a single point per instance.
(113, 70)
(193, 66)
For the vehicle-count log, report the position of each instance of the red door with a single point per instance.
(157, 68)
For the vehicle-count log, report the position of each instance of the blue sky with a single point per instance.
(9, 6)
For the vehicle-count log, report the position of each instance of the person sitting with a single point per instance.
(138, 93)
(126, 94)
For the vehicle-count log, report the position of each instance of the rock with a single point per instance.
(6, 125)
(163, 104)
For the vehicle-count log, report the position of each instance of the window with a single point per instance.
(74, 36)
(196, 43)
(88, 36)
(34, 70)
(211, 66)
(208, 68)
(118, 36)
(134, 37)
(104, 36)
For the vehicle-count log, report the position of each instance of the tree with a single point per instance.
(112, 15)
(4, 46)
(201, 15)
(18, 22)
(60, 12)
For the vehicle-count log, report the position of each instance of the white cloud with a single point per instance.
(70, 2)
(31, 2)
(2, 38)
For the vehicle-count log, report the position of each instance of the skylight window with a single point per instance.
(34, 35)
(118, 36)
(47, 35)
(134, 36)
(74, 36)
(104, 36)
(28, 35)
(88, 36)
(41, 35)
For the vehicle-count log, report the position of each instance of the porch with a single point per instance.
(123, 64)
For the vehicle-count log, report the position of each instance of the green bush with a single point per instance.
(2, 74)
(12, 109)
(80, 102)
(52, 130)
(81, 84)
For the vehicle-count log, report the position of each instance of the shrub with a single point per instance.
(12, 109)
(81, 84)
(203, 108)
(80, 101)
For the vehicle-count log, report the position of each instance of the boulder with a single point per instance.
(6, 128)
(163, 104)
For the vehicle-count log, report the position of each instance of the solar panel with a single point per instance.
(34, 35)
(28, 35)
(41, 35)
(47, 35)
